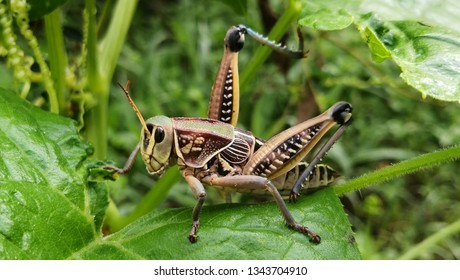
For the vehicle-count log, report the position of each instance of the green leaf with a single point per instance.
(325, 15)
(378, 50)
(234, 231)
(49, 211)
(44, 211)
(39, 8)
(429, 57)
(98, 202)
(422, 37)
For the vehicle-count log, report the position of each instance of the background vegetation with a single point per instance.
(171, 54)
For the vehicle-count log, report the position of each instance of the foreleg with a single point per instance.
(198, 190)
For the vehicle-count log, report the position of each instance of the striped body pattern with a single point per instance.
(236, 155)
(284, 152)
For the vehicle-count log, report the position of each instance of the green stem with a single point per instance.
(113, 219)
(431, 241)
(111, 45)
(149, 202)
(262, 53)
(105, 16)
(92, 63)
(96, 126)
(96, 123)
(57, 56)
(399, 169)
(101, 62)
(156, 195)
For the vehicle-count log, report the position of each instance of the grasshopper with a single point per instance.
(213, 151)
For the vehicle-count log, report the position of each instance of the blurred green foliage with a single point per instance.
(171, 56)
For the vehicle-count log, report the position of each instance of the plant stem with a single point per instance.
(150, 201)
(113, 219)
(399, 169)
(96, 124)
(262, 53)
(434, 239)
(156, 195)
(57, 56)
(94, 76)
(105, 16)
(111, 45)
(102, 60)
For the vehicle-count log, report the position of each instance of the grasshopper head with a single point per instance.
(157, 143)
(156, 138)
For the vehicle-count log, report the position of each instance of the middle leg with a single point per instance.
(261, 183)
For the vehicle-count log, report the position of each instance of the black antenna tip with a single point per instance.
(234, 39)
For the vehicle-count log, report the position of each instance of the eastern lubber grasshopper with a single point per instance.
(214, 152)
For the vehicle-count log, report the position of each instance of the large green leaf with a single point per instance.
(422, 37)
(234, 231)
(44, 204)
(49, 211)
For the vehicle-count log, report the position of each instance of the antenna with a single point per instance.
(141, 119)
(301, 53)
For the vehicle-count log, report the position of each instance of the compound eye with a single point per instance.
(159, 134)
